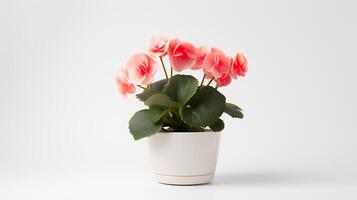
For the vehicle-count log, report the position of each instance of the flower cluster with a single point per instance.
(215, 64)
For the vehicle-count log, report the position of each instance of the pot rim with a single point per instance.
(190, 133)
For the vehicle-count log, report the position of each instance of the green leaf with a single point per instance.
(233, 105)
(160, 100)
(174, 121)
(141, 126)
(217, 126)
(204, 108)
(152, 89)
(233, 110)
(181, 88)
(156, 113)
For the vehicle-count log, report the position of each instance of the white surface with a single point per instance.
(184, 158)
(63, 126)
(246, 184)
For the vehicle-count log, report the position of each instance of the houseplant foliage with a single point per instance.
(180, 103)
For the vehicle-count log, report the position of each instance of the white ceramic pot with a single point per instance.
(184, 158)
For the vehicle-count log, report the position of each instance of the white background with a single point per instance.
(63, 125)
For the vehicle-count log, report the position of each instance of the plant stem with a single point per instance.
(203, 78)
(163, 66)
(171, 71)
(217, 86)
(210, 81)
(141, 87)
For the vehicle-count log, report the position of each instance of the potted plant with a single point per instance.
(182, 118)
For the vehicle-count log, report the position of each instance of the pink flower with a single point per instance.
(182, 55)
(224, 80)
(158, 45)
(216, 64)
(123, 85)
(140, 69)
(239, 66)
(201, 53)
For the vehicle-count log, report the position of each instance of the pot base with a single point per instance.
(184, 180)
